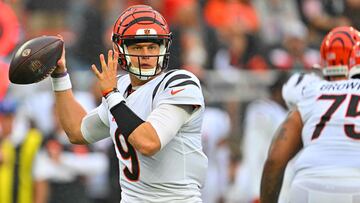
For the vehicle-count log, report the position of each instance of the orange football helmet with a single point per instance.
(141, 23)
(354, 61)
(336, 49)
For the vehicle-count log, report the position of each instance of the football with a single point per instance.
(35, 59)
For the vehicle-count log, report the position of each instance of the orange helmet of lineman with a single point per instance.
(336, 49)
(354, 62)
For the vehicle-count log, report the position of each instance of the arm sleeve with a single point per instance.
(94, 126)
(167, 119)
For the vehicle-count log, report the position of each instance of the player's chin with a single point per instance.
(146, 66)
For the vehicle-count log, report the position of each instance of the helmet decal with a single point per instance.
(147, 31)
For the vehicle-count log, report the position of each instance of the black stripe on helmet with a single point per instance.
(338, 38)
(141, 19)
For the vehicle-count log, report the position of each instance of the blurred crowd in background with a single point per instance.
(242, 51)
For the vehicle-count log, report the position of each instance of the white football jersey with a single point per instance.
(175, 173)
(331, 131)
(262, 118)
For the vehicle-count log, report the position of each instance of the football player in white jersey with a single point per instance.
(324, 127)
(292, 93)
(154, 118)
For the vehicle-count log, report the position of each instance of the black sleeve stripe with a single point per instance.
(301, 77)
(176, 77)
(158, 85)
(187, 82)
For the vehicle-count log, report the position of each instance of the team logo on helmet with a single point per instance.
(148, 31)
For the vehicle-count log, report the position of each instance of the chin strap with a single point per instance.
(145, 73)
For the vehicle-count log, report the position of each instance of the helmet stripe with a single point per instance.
(137, 20)
(341, 39)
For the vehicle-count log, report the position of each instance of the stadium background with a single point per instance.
(238, 48)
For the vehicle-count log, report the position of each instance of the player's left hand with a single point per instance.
(107, 77)
(61, 63)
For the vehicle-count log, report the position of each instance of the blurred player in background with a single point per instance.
(324, 127)
(4, 79)
(154, 118)
(63, 168)
(215, 130)
(263, 117)
(19, 146)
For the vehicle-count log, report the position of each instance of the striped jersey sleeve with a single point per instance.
(178, 87)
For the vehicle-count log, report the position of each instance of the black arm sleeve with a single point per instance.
(125, 118)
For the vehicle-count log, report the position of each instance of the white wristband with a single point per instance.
(61, 84)
(114, 99)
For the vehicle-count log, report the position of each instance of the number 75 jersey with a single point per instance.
(331, 117)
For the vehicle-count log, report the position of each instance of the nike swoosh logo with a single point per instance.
(173, 92)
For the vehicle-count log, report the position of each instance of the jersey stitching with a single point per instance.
(183, 155)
